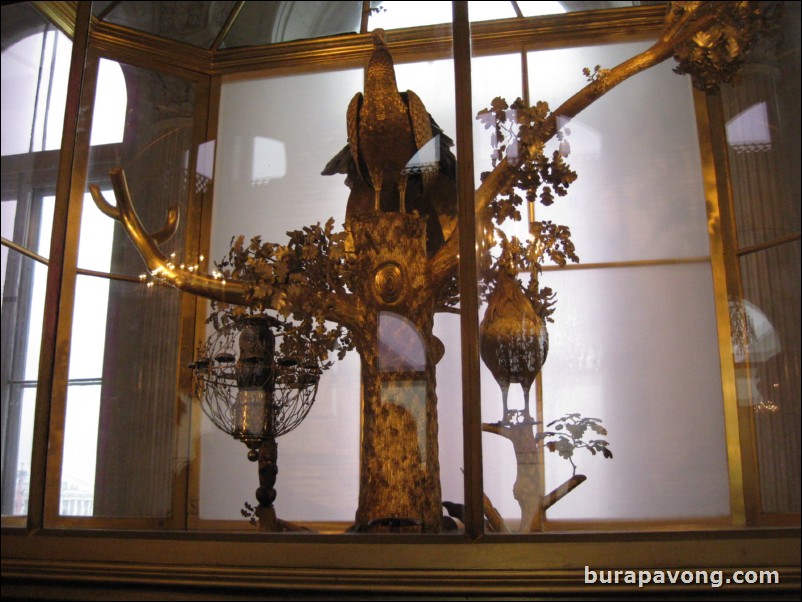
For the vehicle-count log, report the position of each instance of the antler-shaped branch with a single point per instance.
(679, 28)
(339, 308)
(158, 265)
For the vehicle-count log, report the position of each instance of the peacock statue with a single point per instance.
(513, 341)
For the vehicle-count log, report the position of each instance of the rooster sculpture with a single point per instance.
(397, 157)
(513, 341)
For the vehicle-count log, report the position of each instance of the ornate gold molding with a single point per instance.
(408, 44)
(435, 41)
(128, 45)
(61, 14)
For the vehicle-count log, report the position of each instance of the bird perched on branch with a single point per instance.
(513, 341)
(397, 158)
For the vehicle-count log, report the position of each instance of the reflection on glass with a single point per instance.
(749, 130)
(766, 349)
(269, 160)
(763, 125)
(401, 346)
(271, 22)
(204, 170)
(408, 401)
(197, 24)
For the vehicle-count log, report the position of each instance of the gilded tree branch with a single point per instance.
(688, 24)
(158, 265)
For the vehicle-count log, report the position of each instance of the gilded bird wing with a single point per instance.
(422, 132)
(352, 118)
(420, 119)
(340, 163)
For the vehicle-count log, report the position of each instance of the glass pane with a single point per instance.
(492, 76)
(269, 174)
(122, 411)
(196, 23)
(638, 348)
(538, 7)
(83, 396)
(97, 234)
(111, 104)
(762, 126)
(37, 281)
(35, 64)
(88, 327)
(639, 192)
(119, 455)
(159, 142)
(393, 14)
(271, 22)
(611, 357)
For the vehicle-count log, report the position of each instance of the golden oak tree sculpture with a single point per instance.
(378, 273)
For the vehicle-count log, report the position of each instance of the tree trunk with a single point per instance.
(399, 484)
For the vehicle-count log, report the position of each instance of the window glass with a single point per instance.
(35, 61)
(80, 449)
(22, 332)
(762, 128)
(20, 313)
(33, 116)
(396, 15)
(23, 312)
(538, 7)
(36, 70)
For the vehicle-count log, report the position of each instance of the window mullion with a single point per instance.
(61, 280)
(468, 282)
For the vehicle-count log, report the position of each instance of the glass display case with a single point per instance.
(283, 279)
